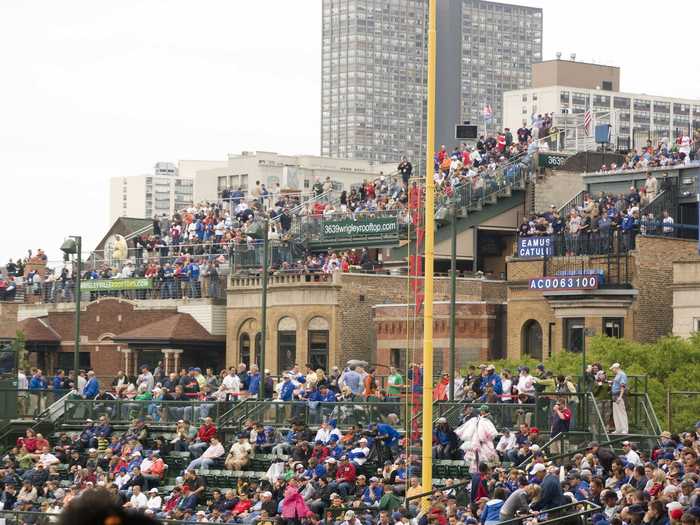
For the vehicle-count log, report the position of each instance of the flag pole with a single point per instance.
(427, 429)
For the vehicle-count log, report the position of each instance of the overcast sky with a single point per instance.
(92, 90)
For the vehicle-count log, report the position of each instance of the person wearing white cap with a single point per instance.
(619, 390)
(154, 500)
(360, 453)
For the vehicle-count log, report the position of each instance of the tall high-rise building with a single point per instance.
(374, 66)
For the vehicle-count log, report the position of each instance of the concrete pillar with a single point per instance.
(172, 359)
(128, 369)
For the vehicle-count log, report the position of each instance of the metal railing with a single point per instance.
(573, 203)
(575, 512)
(59, 291)
(17, 517)
(606, 256)
(491, 184)
(121, 411)
(682, 409)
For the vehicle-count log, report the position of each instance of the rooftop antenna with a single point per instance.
(558, 55)
(573, 57)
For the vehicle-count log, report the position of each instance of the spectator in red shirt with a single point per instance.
(345, 476)
(204, 435)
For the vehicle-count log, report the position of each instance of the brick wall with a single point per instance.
(359, 293)
(653, 260)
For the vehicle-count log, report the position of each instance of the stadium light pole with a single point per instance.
(427, 427)
(73, 246)
(453, 299)
(263, 310)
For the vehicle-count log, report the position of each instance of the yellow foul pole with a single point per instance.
(427, 431)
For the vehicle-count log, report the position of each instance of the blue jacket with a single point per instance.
(254, 383)
(287, 391)
(385, 429)
(551, 496)
(492, 511)
(92, 388)
(495, 380)
(57, 383)
(37, 383)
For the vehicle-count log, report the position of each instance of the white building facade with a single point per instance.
(289, 173)
(146, 196)
(638, 117)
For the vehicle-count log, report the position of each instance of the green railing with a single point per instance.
(123, 411)
(32, 403)
(682, 409)
(16, 517)
(577, 512)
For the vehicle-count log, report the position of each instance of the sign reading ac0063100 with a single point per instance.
(565, 282)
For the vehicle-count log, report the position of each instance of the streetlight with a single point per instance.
(73, 246)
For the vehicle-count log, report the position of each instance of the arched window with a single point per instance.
(319, 338)
(531, 337)
(286, 343)
(244, 349)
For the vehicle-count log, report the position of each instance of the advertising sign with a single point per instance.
(347, 228)
(565, 282)
(535, 246)
(552, 160)
(93, 285)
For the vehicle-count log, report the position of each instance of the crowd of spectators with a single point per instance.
(663, 155)
(491, 163)
(591, 226)
(363, 474)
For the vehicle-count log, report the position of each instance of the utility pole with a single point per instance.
(453, 299)
(263, 309)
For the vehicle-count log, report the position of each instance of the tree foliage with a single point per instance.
(670, 363)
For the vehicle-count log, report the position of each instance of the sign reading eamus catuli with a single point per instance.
(535, 246)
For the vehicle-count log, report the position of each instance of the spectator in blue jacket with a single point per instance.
(493, 379)
(254, 381)
(287, 389)
(92, 387)
(373, 493)
(37, 382)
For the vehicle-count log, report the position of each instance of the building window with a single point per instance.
(396, 358)
(318, 349)
(65, 361)
(286, 350)
(696, 324)
(286, 343)
(613, 327)
(531, 338)
(574, 334)
(607, 85)
(258, 350)
(244, 349)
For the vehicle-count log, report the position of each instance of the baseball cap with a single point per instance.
(538, 467)
(153, 491)
(615, 365)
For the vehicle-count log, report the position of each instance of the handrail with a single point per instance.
(438, 489)
(520, 519)
(599, 416)
(565, 208)
(651, 414)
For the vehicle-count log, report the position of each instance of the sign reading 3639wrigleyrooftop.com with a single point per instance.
(565, 282)
(535, 246)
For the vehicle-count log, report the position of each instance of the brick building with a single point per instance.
(327, 319)
(635, 303)
(119, 334)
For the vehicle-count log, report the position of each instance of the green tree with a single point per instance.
(670, 363)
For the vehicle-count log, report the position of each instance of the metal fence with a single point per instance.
(682, 409)
(121, 411)
(63, 291)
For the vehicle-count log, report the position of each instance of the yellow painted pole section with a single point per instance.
(427, 432)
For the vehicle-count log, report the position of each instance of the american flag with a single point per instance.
(488, 112)
(587, 122)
